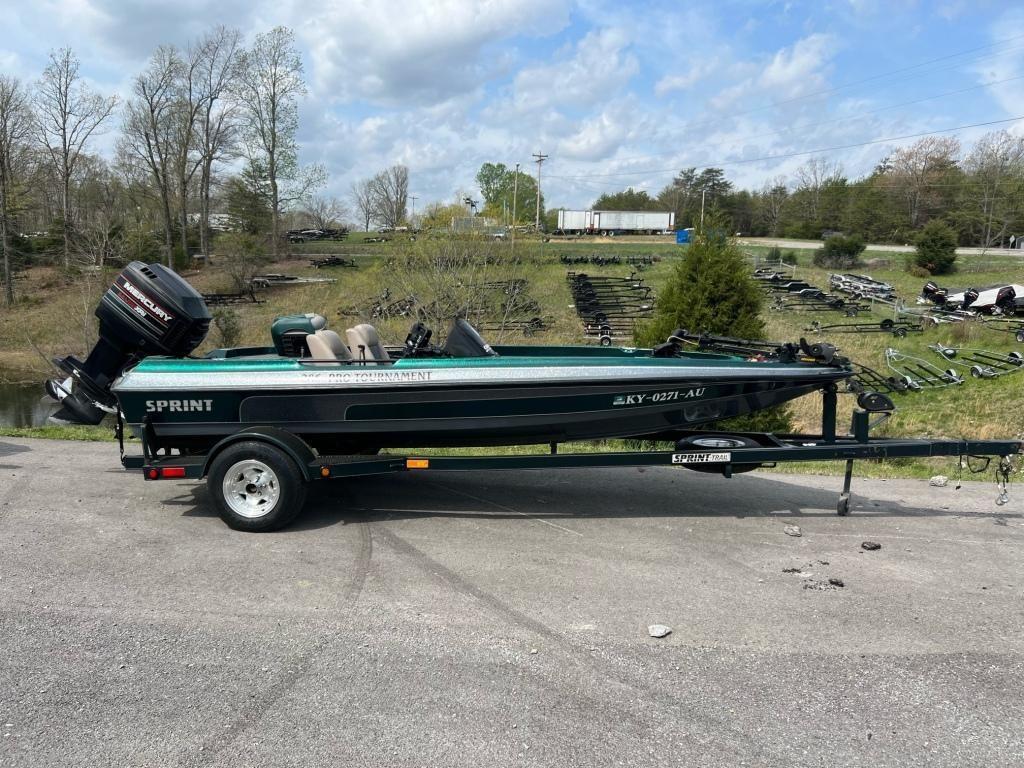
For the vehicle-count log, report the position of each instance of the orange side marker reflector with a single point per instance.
(417, 463)
(325, 472)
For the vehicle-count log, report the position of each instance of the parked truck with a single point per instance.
(615, 222)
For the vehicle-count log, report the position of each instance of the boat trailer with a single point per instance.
(897, 328)
(982, 363)
(725, 453)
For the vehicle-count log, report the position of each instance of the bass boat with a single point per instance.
(361, 395)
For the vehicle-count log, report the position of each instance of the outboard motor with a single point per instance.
(934, 293)
(1006, 300)
(149, 310)
(970, 296)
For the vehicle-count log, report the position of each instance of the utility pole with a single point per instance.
(702, 193)
(539, 158)
(515, 198)
(412, 219)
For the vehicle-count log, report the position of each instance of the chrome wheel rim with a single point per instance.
(251, 489)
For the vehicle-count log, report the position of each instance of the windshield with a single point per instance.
(464, 341)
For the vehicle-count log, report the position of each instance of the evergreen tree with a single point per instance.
(709, 290)
(936, 248)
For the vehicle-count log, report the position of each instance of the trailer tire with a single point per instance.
(1020, 336)
(726, 442)
(256, 487)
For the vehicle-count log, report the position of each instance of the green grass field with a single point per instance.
(55, 317)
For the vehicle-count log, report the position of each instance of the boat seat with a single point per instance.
(327, 345)
(365, 343)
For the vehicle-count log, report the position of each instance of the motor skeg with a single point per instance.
(148, 310)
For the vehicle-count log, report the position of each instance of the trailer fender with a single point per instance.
(293, 445)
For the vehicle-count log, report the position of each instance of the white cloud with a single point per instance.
(799, 69)
(686, 80)
(597, 69)
(599, 136)
(407, 51)
(1005, 63)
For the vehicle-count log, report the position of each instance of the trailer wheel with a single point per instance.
(256, 487)
(1020, 336)
(719, 443)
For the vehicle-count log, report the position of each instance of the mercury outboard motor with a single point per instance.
(149, 310)
(934, 294)
(1006, 300)
(970, 296)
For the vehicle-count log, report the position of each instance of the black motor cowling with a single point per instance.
(149, 310)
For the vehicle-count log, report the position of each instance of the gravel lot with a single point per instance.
(501, 619)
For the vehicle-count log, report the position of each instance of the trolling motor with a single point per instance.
(149, 310)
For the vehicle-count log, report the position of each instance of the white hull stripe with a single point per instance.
(387, 377)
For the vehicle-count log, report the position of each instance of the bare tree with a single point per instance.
(773, 198)
(996, 166)
(69, 113)
(325, 212)
(363, 201)
(917, 168)
(812, 178)
(390, 189)
(100, 234)
(15, 128)
(218, 119)
(185, 158)
(149, 130)
(269, 84)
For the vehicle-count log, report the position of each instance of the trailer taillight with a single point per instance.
(162, 473)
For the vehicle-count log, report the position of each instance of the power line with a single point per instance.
(883, 75)
(817, 94)
(783, 156)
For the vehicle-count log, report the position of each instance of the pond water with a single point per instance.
(24, 405)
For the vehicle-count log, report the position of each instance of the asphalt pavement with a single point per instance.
(501, 619)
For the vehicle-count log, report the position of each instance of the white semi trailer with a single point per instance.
(615, 222)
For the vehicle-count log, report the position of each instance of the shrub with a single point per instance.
(839, 252)
(936, 248)
(774, 253)
(790, 257)
(917, 271)
(226, 322)
(241, 256)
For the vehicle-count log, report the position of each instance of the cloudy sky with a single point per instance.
(618, 93)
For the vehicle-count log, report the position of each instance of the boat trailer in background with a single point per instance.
(898, 328)
(919, 373)
(982, 363)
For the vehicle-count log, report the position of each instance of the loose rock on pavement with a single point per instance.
(659, 630)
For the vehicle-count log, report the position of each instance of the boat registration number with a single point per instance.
(701, 458)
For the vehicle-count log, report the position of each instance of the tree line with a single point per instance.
(214, 120)
(978, 193)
